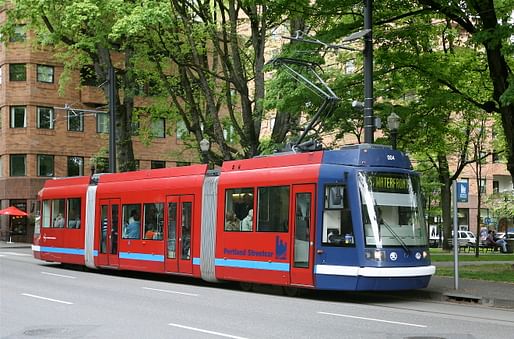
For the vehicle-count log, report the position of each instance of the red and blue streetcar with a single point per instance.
(348, 219)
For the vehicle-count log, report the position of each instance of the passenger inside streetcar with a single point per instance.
(246, 224)
(231, 222)
(134, 226)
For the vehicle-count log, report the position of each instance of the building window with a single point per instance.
(158, 128)
(19, 34)
(482, 185)
(102, 123)
(349, 67)
(157, 164)
(482, 157)
(18, 223)
(17, 72)
(75, 121)
(45, 165)
(181, 130)
(45, 73)
(45, 117)
(496, 157)
(18, 117)
(18, 165)
(182, 163)
(496, 186)
(228, 134)
(75, 166)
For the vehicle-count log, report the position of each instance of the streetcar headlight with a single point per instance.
(375, 254)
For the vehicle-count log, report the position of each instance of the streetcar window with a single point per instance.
(337, 218)
(73, 214)
(273, 209)
(58, 213)
(46, 214)
(37, 217)
(131, 221)
(392, 210)
(153, 221)
(239, 209)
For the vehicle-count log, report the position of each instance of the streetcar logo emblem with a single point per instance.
(393, 256)
(280, 248)
(418, 255)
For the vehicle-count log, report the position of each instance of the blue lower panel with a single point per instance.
(141, 256)
(350, 283)
(259, 265)
(77, 251)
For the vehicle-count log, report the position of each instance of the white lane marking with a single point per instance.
(59, 275)
(206, 331)
(372, 319)
(17, 254)
(49, 299)
(169, 291)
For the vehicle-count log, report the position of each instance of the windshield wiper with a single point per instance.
(404, 245)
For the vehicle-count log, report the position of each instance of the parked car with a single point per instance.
(502, 235)
(466, 238)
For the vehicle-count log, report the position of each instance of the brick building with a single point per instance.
(39, 139)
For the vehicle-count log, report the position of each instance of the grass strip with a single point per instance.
(489, 272)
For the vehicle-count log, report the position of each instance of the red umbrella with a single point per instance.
(12, 211)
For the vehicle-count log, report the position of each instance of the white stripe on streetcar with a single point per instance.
(169, 291)
(206, 331)
(48, 299)
(59, 275)
(372, 319)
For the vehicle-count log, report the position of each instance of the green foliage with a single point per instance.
(489, 272)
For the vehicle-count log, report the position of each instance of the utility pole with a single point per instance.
(112, 119)
(369, 120)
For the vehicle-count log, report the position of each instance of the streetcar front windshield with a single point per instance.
(392, 210)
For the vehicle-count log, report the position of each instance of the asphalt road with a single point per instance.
(42, 300)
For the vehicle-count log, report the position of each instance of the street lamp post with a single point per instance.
(393, 123)
(204, 147)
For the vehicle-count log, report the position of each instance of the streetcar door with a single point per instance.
(108, 225)
(179, 234)
(302, 235)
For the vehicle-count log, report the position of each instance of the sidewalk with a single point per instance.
(489, 293)
(470, 291)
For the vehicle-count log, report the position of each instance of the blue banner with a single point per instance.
(462, 191)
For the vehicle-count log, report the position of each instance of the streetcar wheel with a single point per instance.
(246, 286)
(291, 291)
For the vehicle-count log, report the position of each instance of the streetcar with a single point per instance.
(349, 219)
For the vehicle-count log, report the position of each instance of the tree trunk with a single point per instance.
(444, 179)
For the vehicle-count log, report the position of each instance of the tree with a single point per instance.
(210, 69)
(79, 31)
(487, 24)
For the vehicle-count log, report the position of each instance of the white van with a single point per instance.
(465, 238)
